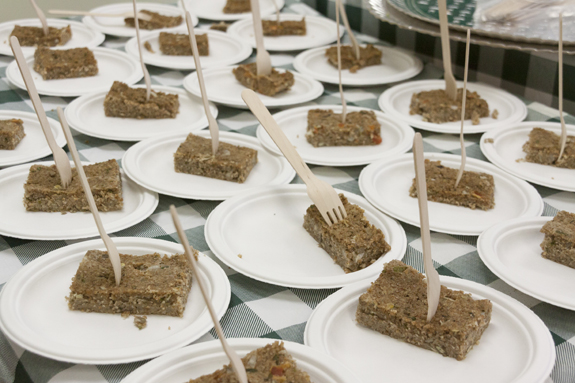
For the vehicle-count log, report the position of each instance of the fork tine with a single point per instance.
(343, 212)
(326, 217)
(332, 217)
(337, 213)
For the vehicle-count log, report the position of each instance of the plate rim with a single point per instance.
(414, 70)
(486, 250)
(216, 244)
(97, 36)
(58, 136)
(210, 267)
(367, 188)
(243, 23)
(489, 151)
(77, 124)
(284, 114)
(315, 85)
(479, 31)
(91, 23)
(451, 282)
(17, 81)
(212, 347)
(127, 161)
(384, 105)
(244, 52)
(148, 197)
(231, 16)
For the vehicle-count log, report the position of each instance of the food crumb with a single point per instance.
(495, 114)
(520, 160)
(297, 136)
(140, 321)
(148, 47)
(240, 256)
(488, 140)
(125, 314)
(169, 327)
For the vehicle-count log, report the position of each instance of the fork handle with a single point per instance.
(33, 93)
(278, 136)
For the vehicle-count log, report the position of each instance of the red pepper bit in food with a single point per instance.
(377, 140)
(277, 371)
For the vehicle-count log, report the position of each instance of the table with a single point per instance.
(258, 309)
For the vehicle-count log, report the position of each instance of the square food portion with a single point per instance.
(237, 6)
(396, 305)
(231, 162)
(151, 284)
(268, 364)
(43, 190)
(158, 21)
(269, 85)
(284, 28)
(324, 128)
(175, 44)
(368, 55)
(221, 26)
(11, 133)
(543, 148)
(559, 243)
(475, 190)
(125, 102)
(353, 243)
(435, 106)
(68, 63)
(34, 36)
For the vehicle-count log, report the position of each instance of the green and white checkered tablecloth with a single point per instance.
(258, 309)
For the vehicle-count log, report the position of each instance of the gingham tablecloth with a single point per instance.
(258, 309)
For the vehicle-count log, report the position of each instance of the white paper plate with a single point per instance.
(139, 204)
(516, 347)
(397, 65)
(507, 148)
(112, 65)
(396, 101)
(319, 31)
(86, 115)
(214, 9)
(150, 163)
(82, 36)
(34, 312)
(511, 250)
(223, 88)
(115, 26)
(397, 139)
(225, 49)
(33, 146)
(205, 358)
(513, 197)
(265, 226)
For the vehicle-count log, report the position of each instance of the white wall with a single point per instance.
(22, 9)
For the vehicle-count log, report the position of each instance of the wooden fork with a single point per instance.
(41, 16)
(113, 253)
(263, 59)
(60, 158)
(141, 16)
(450, 84)
(321, 193)
(237, 364)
